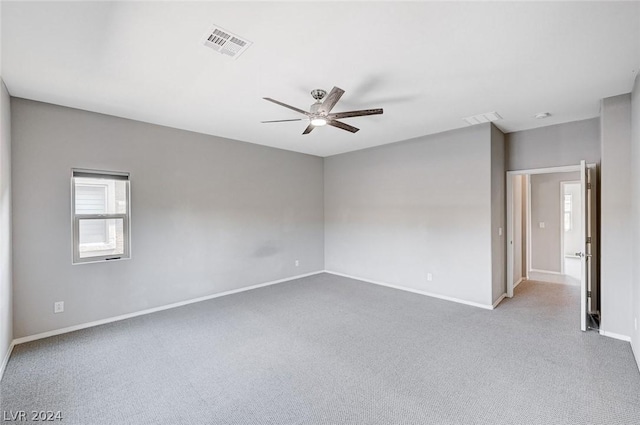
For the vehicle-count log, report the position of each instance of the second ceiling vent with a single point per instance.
(482, 118)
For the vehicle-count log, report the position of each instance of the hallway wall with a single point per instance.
(546, 253)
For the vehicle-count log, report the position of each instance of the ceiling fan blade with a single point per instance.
(293, 108)
(330, 101)
(349, 114)
(295, 119)
(308, 129)
(342, 125)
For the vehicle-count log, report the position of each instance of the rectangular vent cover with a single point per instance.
(482, 118)
(226, 42)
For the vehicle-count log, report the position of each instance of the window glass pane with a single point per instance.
(98, 237)
(100, 196)
(91, 199)
(567, 221)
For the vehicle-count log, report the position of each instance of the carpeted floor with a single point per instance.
(330, 350)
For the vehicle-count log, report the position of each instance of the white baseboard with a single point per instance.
(615, 336)
(152, 310)
(518, 282)
(499, 300)
(544, 271)
(3, 366)
(415, 291)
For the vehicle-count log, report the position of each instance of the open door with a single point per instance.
(585, 253)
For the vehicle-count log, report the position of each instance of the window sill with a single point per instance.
(113, 259)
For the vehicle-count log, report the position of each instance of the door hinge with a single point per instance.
(588, 185)
(588, 293)
(588, 239)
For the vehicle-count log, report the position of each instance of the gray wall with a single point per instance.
(635, 197)
(498, 206)
(397, 212)
(546, 253)
(6, 297)
(208, 215)
(554, 146)
(615, 218)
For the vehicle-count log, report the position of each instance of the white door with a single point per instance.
(585, 253)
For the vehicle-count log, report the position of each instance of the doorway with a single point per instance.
(551, 231)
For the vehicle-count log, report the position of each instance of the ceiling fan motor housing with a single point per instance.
(313, 109)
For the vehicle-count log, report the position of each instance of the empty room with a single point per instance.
(331, 212)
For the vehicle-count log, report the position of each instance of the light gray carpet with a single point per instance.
(330, 350)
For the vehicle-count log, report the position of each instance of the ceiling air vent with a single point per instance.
(482, 118)
(226, 42)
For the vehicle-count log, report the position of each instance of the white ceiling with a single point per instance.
(427, 64)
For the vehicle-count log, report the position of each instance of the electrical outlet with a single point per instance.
(297, 263)
(429, 277)
(58, 307)
(541, 224)
(499, 231)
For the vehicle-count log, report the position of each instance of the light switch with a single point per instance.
(541, 224)
(58, 307)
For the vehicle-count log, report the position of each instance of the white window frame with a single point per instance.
(75, 218)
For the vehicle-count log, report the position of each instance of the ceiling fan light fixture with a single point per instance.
(318, 122)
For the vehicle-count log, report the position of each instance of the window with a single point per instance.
(568, 209)
(100, 215)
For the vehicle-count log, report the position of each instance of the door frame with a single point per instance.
(510, 230)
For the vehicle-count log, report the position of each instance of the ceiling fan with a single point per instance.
(320, 112)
